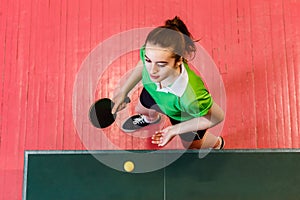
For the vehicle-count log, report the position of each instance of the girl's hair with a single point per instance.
(175, 35)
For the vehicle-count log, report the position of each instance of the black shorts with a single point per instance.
(148, 102)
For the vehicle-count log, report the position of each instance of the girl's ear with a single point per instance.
(179, 62)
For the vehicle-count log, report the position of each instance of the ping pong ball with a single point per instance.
(129, 166)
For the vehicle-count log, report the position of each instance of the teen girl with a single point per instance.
(172, 88)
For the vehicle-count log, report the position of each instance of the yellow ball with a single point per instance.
(129, 166)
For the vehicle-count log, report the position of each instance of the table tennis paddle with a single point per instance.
(100, 112)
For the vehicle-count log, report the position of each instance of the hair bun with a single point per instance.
(173, 22)
(177, 24)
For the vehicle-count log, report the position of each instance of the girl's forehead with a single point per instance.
(158, 51)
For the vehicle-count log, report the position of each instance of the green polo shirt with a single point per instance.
(185, 99)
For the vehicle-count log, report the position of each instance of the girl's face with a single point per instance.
(161, 65)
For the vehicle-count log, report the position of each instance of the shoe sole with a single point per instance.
(222, 143)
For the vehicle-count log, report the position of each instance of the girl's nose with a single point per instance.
(153, 69)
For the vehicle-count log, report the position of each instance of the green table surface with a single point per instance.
(225, 174)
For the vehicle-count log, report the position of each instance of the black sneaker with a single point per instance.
(136, 122)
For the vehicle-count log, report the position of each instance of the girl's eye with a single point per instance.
(161, 65)
(147, 60)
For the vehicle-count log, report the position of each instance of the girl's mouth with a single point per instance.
(154, 77)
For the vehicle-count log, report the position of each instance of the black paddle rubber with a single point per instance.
(100, 113)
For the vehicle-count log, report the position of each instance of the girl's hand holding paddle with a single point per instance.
(120, 101)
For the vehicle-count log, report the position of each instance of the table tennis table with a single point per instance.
(220, 174)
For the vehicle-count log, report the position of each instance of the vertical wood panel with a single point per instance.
(62, 73)
(3, 18)
(72, 64)
(13, 107)
(33, 92)
(238, 73)
(55, 74)
(23, 46)
(15, 90)
(292, 45)
(261, 54)
(278, 87)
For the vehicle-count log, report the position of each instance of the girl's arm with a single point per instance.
(132, 80)
(214, 116)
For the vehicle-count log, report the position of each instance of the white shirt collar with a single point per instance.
(179, 85)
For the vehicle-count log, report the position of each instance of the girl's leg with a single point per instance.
(151, 115)
(208, 141)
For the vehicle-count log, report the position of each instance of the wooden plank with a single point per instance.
(201, 26)
(3, 35)
(55, 74)
(61, 62)
(52, 74)
(23, 52)
(23, 64)
(232, 76)
(261, 53)
(14, 103)
(45, 139)
(221, 21)
(71, 140)
(31, 138)
(290, 10)
(237, 71)
(278, 87)
(3, 28)
(33, 94)
(247, 94)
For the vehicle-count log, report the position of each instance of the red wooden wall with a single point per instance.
(255, 44)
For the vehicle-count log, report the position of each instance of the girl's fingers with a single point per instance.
(118, 107)
(157, 138)
(121, 106)
(155, 142)
(115, 108)
(157, 135)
